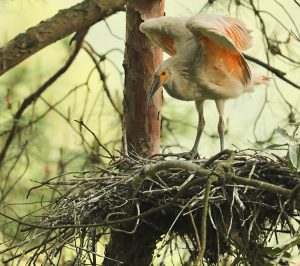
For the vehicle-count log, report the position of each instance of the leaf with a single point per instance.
(288, 244)
(294, 155)
(275, 146)
(276, 251)
(268, 264)
(284, 133)
(287, 255)
(272, 251)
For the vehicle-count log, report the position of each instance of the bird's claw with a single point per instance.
(190, 155)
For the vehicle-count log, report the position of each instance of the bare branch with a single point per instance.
(297, 3)
(87, 48)
(32, 98)
(94, 135)
(274, 70)
(67, 21)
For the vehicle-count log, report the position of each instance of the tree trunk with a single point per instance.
(132, 249)
(142, 123)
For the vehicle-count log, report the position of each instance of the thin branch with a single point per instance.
(94, 135)
(202, 176)
(111, 32)
(103, 79)
(196, 235)
(34, 96)
(297, 3)
(280, 74)
(67, 21)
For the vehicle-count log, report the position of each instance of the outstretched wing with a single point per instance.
(223, 38)
(170, 33)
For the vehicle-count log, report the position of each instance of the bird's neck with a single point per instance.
(180, 85)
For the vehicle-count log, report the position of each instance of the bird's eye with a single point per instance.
(163, 73)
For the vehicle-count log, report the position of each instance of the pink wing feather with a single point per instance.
(224, 38)
(221, 37)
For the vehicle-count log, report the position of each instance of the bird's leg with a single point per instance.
(221, 129)
(221, 126)
(201, 123)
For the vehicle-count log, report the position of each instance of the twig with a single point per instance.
(96, 138)
(34, 96)
(196, 235)
(297, 3)
(280, 74)
(211, 179)
(107, 219)
(216, 157)
(88, 50)
(51, 30)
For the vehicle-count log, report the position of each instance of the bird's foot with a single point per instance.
(190, 155)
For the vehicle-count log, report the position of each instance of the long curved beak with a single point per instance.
(155, 86)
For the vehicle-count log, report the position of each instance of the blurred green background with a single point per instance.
(54, 144)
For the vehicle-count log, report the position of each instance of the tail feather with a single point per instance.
(259, 79)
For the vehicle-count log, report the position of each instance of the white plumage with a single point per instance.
(206, 62)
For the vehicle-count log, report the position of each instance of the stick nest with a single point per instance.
(232, 204)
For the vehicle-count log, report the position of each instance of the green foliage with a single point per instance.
(293, 154)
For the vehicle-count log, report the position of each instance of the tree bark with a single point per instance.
(67, 21)
(132, 249)
(142, 123)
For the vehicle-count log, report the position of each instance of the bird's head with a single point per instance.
(161, 75)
